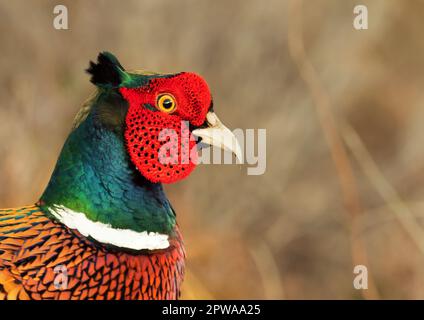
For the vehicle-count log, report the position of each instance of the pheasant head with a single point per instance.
(165, 113)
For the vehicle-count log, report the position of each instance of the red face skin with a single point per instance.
(143, 126)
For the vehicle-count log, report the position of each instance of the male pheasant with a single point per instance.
(103, 228)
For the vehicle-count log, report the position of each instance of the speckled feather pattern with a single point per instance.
(32, 245)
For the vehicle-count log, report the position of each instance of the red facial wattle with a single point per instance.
(149, 129)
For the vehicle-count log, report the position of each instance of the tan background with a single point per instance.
(287, 233)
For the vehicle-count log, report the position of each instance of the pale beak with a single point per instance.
(218, 135)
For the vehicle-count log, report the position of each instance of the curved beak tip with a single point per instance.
(219, 136)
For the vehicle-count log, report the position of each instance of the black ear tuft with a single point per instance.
(107, 71)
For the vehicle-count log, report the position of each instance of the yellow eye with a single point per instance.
(166, 103)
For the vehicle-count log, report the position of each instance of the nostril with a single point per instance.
(192, 127)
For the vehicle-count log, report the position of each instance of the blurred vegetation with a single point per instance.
(285, 234)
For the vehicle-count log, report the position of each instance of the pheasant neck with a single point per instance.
(95, 178)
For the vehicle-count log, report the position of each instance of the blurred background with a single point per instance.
(343, 110)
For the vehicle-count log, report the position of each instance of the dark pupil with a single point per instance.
(167, 104)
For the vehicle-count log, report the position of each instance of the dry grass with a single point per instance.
(285, 234)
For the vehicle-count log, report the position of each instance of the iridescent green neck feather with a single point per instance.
(95, 176)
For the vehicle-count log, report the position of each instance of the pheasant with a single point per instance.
(104, 228)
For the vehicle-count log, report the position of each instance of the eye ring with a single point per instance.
(166, 103)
